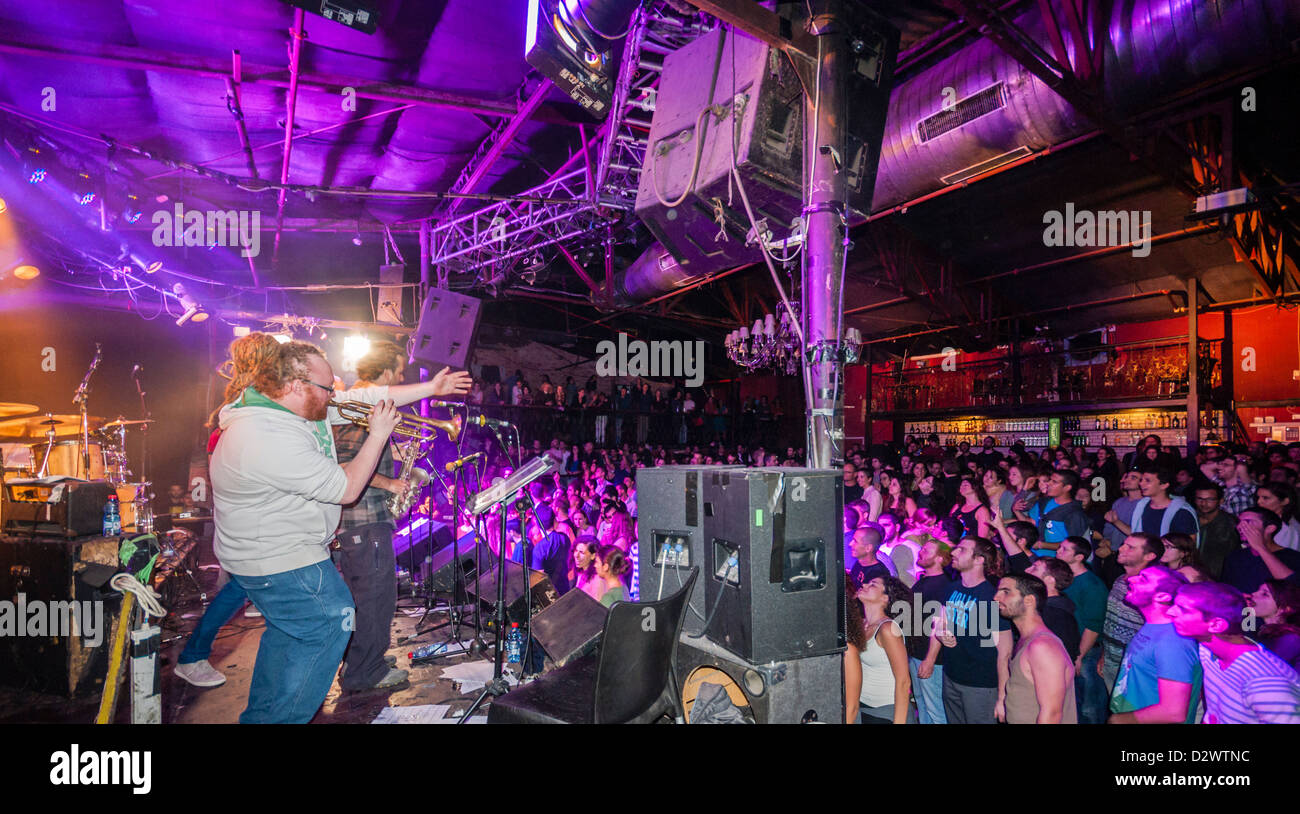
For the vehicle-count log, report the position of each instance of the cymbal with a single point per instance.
(32, 428)
(122, 422)
(9, 409)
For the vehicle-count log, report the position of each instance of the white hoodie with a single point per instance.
(277, 487)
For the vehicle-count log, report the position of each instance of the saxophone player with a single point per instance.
(364, 548)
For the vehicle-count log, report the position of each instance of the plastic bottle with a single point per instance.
(109, 510)
(514, 644)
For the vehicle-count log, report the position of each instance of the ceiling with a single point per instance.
(144, 97)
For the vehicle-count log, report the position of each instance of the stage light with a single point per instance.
(356, 238)
(153, 267)
(34, 166)
(3, 205)
(282, 338)
(354, 347)
(572, 43)
(27, 272)
(201, 316)
(191, 306)
(84, 189)
(132, 211)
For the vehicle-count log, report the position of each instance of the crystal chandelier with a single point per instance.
(769, 345)
(765, 345)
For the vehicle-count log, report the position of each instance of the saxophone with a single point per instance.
(399, 504)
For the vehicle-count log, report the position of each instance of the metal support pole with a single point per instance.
(824, 150)
(1228, 366)
(1193, 378)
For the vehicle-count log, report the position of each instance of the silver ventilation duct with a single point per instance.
(979, 109)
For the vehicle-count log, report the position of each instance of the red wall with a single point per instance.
(1271, 332)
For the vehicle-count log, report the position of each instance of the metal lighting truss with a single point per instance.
(585, 199)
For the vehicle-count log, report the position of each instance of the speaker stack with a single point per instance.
(766, 617)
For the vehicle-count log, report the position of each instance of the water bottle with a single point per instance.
(117, 516)
(514, 644)
(108, 523)
(428, 650)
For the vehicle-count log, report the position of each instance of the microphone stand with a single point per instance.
(80, 398)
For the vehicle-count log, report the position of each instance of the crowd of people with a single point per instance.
(1068, 585)
(1056, 586)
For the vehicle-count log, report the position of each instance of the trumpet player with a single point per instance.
(278, 490)
(364, 544)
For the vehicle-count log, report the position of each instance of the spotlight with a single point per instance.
(84, 189)
(190, 305)
(282, 338)
(132, 211)
(27, 272)
(153, 267)
(572, 42)
(354, 347)
(34, 166)
(201, 316)
(3, 205)
(356, 238)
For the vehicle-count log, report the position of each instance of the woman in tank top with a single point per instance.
(971, 516)
(877, 683)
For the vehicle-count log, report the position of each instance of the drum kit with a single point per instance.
(37, 446)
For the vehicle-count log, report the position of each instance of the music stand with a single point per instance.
(482, 501)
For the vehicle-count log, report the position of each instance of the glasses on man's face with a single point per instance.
(329, 390)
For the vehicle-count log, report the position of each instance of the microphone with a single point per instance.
(484, 421)
(459, 462)
(135, 371)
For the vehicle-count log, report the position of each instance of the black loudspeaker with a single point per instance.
(437, 567)
(447, 329)
(793, 691)
(670, 516)
(773, 561)
(44, 572)
(571, 628)
(543, 592)
(68, 509)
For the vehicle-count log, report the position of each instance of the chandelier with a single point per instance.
(766, 345)
(771, 345)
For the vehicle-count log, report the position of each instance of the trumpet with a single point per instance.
(410, 426)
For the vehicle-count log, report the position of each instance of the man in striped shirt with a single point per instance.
(1244, 683)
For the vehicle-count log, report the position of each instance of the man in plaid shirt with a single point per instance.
(1238, 495)
(365, 536)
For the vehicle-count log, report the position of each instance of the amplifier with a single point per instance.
(773, 561)
(792, 691)
(61, 585)
(68, 508)
(670, 506)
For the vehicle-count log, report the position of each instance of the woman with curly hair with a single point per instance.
(877, 683)
(250, 356)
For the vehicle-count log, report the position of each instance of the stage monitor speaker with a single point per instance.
(571, 628)
(437, 567)
(543, 592)
(447, 330)
(792, 691)
(670, 516)
(773, 561)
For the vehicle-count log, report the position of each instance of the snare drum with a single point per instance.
(65, 459)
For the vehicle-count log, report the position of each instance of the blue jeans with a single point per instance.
(221, 610)
(309, 619)
(1090, 689)
(928, 693)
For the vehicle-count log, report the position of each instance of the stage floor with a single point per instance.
(235, 652)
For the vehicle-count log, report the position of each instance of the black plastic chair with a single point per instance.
(631, 679)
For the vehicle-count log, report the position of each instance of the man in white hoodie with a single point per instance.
(278, 492)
